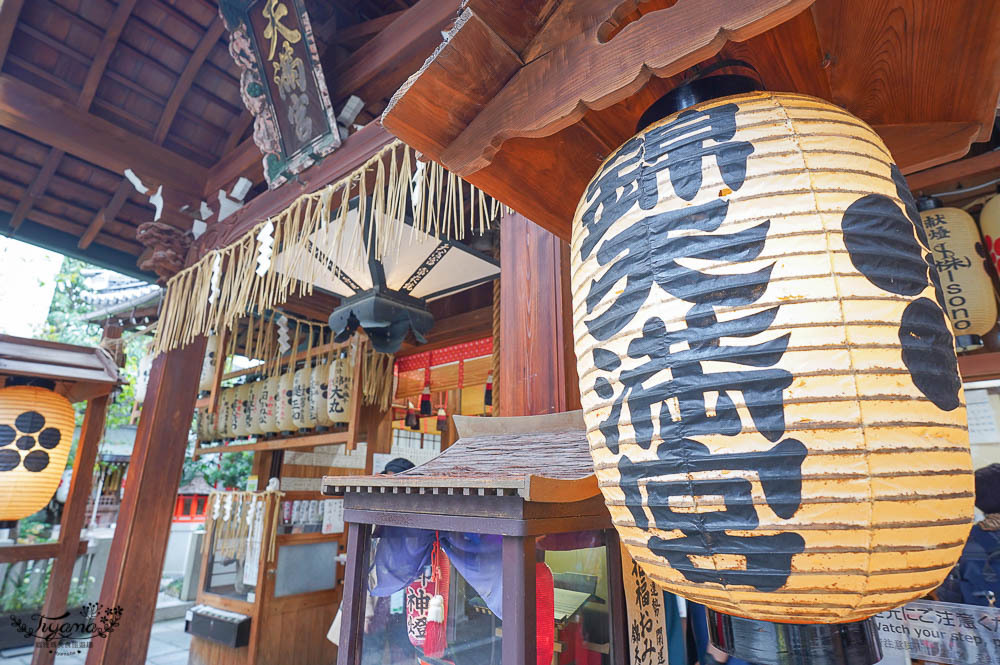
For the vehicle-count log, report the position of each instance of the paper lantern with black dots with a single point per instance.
(36, 432)
(340, 398)
(303, 418)
(769, 379)
(267, 412)
(319, 394)
(283, 404)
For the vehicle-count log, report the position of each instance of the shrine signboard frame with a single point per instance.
(282, 84)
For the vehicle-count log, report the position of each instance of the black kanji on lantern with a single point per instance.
(670, 410)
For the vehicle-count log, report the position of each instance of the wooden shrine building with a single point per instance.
(379, 196)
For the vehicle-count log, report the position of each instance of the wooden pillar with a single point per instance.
(352, 607)
(74, 514)
(132, 577)
(518, 646)
(537, 364)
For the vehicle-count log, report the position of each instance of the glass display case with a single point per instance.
(477, 558)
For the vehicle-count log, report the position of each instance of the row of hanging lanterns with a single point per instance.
(768, 374)
(316, 396)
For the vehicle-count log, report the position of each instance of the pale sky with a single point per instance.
(27, 281)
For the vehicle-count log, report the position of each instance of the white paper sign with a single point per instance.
(937, 632)
(333, 516)
(647, 622)
(982, 417)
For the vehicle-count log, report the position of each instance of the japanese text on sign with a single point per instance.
(647, 628)
(940, 633)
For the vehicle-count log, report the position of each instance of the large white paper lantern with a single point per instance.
(770, 383)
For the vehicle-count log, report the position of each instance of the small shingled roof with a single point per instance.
(80, 372)
(541, 458)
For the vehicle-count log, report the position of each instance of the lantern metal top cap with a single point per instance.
(695, 92)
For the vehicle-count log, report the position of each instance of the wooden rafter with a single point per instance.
(183, 85)
(104, 51)
(376, 69)
(37, 187)
(365, 29)
(236, 130)
(87, 92)
(947, 175)
(243, 160)
(106, 214)
(50, 120)
(9, 11)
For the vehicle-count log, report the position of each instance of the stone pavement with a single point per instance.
(168, 645)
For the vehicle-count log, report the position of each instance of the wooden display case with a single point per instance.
(293, 598)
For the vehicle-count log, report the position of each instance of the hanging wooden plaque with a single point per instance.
(282, 84)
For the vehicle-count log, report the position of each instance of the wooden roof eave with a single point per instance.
(533, 487)
(527, 111)
(80, 372)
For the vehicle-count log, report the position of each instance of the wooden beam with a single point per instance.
(352, 620)
(376, 69)
(132, 575)
(104, 51)
(9, 11)
(979, 366)
(458, 329)
(55, 122)
(916, 146)
(37, 188)
(518, 600)
(354, 152)
(106, 214)
(15, 553)
(947, 175)
(546, 95)
(238, 127)
(365, 29)
(244, 160)
(184, 81)
(74, 513)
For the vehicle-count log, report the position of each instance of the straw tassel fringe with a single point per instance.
(194, 305)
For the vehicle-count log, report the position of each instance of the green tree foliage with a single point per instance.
(65, 324)
(223, 471)
(65, 321)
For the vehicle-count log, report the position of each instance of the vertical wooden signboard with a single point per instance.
(281, 83)
(647, 619)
